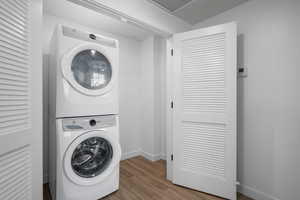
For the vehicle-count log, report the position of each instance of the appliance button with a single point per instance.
(92, 36)
(93, 122)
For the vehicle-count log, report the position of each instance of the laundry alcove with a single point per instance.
(141, 80)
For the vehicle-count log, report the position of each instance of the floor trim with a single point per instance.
(254, 193)
(146, 155)
(150, 156)
(131, 154)
(45, 178)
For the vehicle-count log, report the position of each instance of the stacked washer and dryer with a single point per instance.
(84, 148)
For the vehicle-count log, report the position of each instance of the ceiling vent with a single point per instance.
(171, 5)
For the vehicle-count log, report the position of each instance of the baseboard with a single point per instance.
(146, 155)
(131, 154)
(163, 157)
(254, 193)
(45, 178)
(151, 157)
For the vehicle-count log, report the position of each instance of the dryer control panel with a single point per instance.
(88, 123)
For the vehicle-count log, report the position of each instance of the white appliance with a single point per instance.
(84, 158)
(83, 74)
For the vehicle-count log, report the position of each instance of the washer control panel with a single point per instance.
(88, 123)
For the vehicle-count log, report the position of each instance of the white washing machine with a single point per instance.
(83, 74)
(84, 158)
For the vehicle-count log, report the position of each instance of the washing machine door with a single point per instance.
(91, 158)
(89, 69)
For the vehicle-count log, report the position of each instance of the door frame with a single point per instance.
(36, 18)
(169, 109)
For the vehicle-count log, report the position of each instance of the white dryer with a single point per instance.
(84, 158)
(83, 74)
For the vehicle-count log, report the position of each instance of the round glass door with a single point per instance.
(91, 157)
(91, 69)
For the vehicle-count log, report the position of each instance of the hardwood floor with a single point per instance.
(141, 179)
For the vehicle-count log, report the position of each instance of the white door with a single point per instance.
(204, 128)
(20, 100)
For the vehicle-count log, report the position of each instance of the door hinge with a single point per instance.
(172, 157)
(172, 52)
(172, 104)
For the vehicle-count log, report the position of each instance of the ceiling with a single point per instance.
(195, 11)
(90, 18)
(190, 11)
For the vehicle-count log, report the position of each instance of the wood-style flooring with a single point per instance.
(141, 179)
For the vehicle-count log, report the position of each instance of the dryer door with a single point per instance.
(89, 69)
(91, 158)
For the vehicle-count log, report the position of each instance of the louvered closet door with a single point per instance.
(20, 100)
(204, 131)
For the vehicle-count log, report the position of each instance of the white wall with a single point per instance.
(130, 121)
(160, 95)
(152, 97)
(268, 99)
(147, 98)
